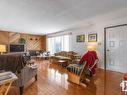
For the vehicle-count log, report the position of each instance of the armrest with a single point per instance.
(25, 76)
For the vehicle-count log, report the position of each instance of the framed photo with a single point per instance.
(80, 38)
(92, 37)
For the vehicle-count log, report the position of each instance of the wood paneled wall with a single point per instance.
(14, 38)
(4, 37)
(33, 42)
(36, 42)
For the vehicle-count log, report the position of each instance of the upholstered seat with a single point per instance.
(17, 63)
(76, 68)
(76, 73)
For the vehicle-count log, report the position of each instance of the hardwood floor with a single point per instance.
(52, 80)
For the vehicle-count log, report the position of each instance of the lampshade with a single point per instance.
(92, 46)
(2, 48)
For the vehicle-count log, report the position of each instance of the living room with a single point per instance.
(50, 49)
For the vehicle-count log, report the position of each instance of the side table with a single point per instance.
(6, 79)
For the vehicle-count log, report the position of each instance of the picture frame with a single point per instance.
(80, 38)
(92, 37)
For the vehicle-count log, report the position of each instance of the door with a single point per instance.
(116, 48)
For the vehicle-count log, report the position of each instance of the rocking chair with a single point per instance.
(76, 73)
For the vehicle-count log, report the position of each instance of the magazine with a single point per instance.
(5, 76)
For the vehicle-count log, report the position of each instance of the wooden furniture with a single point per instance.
(67, 59)
(6, 79)
(63, 55)
(77, 58)
(55, 59)
(63, 63)
(76, 73)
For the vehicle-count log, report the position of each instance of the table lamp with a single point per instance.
(92, 46)
(2, 48)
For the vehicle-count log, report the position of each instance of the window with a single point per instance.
(58, 43)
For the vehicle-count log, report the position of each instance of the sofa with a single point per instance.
(35, 53)
(17, 63)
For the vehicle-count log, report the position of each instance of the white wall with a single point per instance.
(115, 18)
(96, 25)
(80, 47)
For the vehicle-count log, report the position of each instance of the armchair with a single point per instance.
(24, 77)
(76, 73)
(86, 66)
(17, 63)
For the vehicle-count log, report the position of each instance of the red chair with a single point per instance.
(90, 57)
(77, 72)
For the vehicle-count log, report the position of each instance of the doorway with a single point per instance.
(115, 58)
(116, 48)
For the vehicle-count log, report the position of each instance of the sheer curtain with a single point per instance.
(58, 43)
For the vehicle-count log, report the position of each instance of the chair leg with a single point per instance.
(36, 77)
(21, 90)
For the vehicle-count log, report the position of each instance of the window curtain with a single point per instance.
(58, 43)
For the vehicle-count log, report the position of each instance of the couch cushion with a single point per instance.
(76, 68)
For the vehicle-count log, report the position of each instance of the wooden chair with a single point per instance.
(76, 73)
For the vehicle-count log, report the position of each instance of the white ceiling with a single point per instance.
(48, 16)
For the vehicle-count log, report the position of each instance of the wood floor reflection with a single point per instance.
(52, 80)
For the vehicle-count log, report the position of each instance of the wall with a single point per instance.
(33, 42)
(37, 42)
(115, 18)
(95, 25)
(80, 47)
(4, 37)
